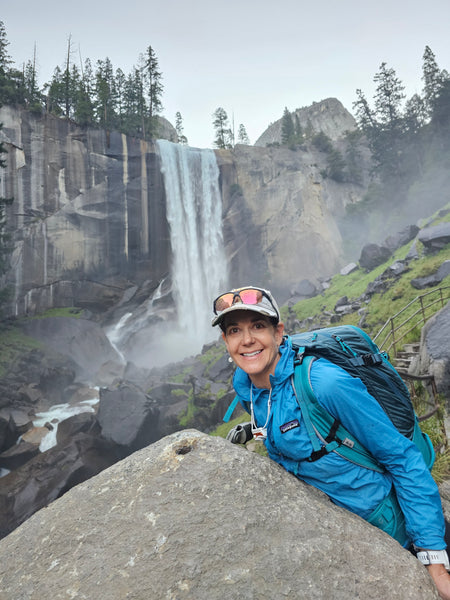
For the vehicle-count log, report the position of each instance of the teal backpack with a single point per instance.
(352, 349)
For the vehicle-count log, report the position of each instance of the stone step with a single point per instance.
(414, 348)
(401, 363)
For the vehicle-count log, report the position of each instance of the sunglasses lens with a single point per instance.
(251, 296)
(223, 302)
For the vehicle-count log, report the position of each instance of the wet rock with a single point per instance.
(18, 455)
(49, 475)
(397, 240)
(435, 237)
(81, 423)
(128, 417)
(304, 289)
(341, 302)
(420, 283)
(373, 255)
(84, 345)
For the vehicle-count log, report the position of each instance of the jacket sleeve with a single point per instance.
(348, 400)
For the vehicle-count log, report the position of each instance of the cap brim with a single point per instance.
(239, 306)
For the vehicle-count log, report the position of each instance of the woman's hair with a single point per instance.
(273, 321)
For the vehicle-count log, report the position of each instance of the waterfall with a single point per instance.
(194, 214)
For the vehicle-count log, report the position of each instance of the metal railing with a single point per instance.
(395, 333)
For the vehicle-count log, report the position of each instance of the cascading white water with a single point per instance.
(194, 213)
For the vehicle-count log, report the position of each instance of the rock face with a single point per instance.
(280, 216)
(435, 351)
(194, 517)
(88, 212)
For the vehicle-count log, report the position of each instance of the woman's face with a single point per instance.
(252, 342)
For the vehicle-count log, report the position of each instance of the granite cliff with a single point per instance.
(89, 212)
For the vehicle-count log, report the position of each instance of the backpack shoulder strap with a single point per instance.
(230, 410)
(326, 433)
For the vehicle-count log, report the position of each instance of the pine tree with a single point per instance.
(83, 95)
(299, 137)
(182, 139)
(433, 79)
(5, 59)
(105, 91)
(224, 135)
(242, 135)
(287, 128)
(388, 97)
(153, 89)
(32, 94)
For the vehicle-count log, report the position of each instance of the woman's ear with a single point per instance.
(279, 332)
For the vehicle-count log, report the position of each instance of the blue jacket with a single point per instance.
(356, 488)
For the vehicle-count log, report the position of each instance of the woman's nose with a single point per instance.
(247, 336)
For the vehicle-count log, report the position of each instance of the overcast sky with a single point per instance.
(251, 57)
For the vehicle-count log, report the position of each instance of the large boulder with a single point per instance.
(434, 357)
(128, 417)
(193, 516)
(373, 255)
(436, 236)
(402, 237)
(83, 343)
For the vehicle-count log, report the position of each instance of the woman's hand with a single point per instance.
(441, 580)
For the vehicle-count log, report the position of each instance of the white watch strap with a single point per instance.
(432, 557)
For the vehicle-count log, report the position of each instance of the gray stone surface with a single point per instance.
(83, 342)
(434, 357)
(128, 417)
(421, 283)
(436, 236)
(373, 255)
(82, 200)
(193, 517)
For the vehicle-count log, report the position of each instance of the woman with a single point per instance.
(254, 336)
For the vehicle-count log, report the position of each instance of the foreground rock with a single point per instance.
(192, 516)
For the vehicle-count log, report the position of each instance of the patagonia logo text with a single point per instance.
(289, 425)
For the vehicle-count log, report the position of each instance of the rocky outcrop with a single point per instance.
(195, 517)
(328, 116)
(83, 343)
(434, 357)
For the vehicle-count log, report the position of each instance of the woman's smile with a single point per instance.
(252, 342)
